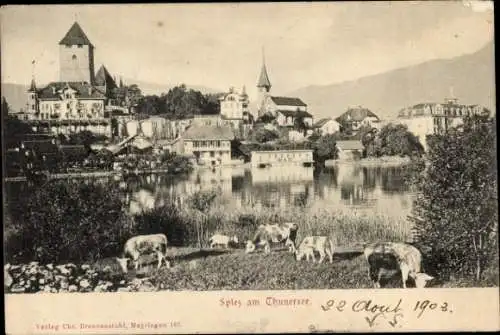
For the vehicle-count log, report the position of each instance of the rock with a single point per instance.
(17, 289)
(107, 268)
(122, 282)
(64, 284)
(33, 264)
(53, 290)
(47, 289)
(123, 289)
(146, 287)
(41, 281)
(85, 267)
(50, 266)
(84, 283)
(7, 279)
(72, 288)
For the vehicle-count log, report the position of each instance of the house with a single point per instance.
(210, 145)
(287, 118)
(207, 120)
(278, 157)
(433, 118)
(356, 117)
(234, 106)
(349, 150)
(326, 126)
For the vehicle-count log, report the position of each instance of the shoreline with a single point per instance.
(379, 161)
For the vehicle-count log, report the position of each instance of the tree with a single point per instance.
(263, 135)
(325, 148)
(455, 213)
(299, 123)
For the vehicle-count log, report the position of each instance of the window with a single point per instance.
(80, 45)
(212, 154)
(32, 106)
(73, 57)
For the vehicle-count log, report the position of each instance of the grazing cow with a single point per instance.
(309, 244)
(144, 244)
(394, 257)
(273, 233)
(222, 240)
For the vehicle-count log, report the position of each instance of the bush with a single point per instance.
(68, 222)
(456, 210)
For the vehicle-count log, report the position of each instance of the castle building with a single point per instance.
(79, 100)
(285, 109)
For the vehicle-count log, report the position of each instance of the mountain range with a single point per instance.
(471, 78)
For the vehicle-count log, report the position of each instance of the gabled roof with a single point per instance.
(294, 113)
(84, 91)
(264, 78)
(103, 78)
(209, 133)
(350, 145)
(75, 36)
(288, 101)
(356, 114)
(322, 122)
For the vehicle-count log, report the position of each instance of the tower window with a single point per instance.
(73, 57)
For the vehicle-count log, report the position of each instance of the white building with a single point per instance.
(327, 126)
(277, 157)
(210, 145)
(436, 118)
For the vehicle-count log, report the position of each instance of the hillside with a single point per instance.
(471, 76)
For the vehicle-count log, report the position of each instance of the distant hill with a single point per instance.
(471, 76)
(17, 97)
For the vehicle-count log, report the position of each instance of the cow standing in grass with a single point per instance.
(273, 233)
(141, 245)
(322, 244)
(392, 257)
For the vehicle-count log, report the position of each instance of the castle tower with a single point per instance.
(76, 57)
(263, 86)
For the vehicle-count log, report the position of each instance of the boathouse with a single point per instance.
(278, 157)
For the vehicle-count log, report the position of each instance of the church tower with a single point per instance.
(263, 86)
(76, 57)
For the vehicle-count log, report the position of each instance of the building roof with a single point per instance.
(103, 78)
(322, 122)
(209, 133)
(288, 101)
(294, 113)
(75, 36)
(264, 78)
(84, 91)
(350, 145)
(356, 114)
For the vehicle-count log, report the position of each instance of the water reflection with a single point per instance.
(374, 189)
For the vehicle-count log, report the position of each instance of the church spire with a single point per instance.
(33, 84)
(264, 78)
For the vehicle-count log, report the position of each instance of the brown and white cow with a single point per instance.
(141, 245)
(274, 233)
(322, 244)
(393, 257)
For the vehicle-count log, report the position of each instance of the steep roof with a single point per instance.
(356, 114)
(294, 113)
(32, 86)
(209, 133)
(288, 101)
(84, 91)
(75, 36)
(104, 78)
(350, 145)
(264, 78)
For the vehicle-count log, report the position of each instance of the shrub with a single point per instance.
(456, 210)
(68, 222)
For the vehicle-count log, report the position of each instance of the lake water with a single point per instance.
(377, 190)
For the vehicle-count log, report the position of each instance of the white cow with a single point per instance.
(273, 233)
(393, 257)
(322, 244)
(222, 240)
(144, 244)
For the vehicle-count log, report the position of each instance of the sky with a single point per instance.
(220, 45)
